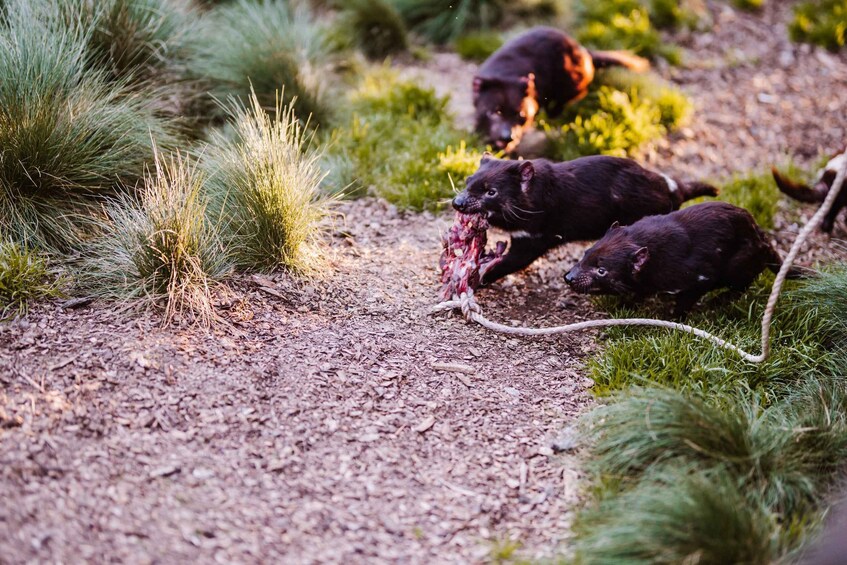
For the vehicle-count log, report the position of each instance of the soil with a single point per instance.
(335, 419)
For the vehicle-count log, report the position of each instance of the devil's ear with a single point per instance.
(486, 157)
(639, 259)
(615, 225)
(527, 170)
(478, 84)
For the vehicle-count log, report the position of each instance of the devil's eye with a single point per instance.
(601, 272)
(491, 192)
(523, 114)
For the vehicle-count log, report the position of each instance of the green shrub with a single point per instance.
(622, 113)
(376, 27)
(67, 133)
(162, 247)
(442, 21)
(755, 193)
(478, 46)
(622, 24)
(23, 277)
(266, 186)
(822, 22)
(678, 515)
(268, 46)
(392, 144)
(673, 14)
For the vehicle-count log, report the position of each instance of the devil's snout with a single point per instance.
(460, 201)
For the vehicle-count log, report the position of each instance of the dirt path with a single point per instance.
(313, 425)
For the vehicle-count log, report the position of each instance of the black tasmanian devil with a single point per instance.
(544, 204)
(541, 68)
(817, 193)
(686, 253)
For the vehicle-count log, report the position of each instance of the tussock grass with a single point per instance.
(392, 145)
(442, 21)
(621, 114)
(781, 459)
(161, 248)
(375, 26)
(24, 276)
(141, 41)
(265, 181)
(66, 131)
(268, 46)
(478, 46)
(822, 22)
(678, 515)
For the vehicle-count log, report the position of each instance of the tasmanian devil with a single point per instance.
(541, 68)
(544, 204)
(686, 253)
(817, 193)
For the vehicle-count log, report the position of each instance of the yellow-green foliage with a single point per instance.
(823, 22)
(622, 24)
(23, 277)
(392, 144)
(442, 21)
(621, 113)
(750, 5)
(459, 163)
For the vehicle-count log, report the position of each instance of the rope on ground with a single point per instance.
(471, 310)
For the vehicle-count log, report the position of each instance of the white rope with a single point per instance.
(472, 311)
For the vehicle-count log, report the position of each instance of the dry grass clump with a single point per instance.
(161, 248)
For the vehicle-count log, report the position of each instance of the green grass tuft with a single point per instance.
(267, 46)
(756, 193)
(66, 131)
(802, 338)
(376, 27)
(621, 114)
(265, 182)
(393, 144)
(24, 276)
(478, 46)
(161, 248)
(822, 22)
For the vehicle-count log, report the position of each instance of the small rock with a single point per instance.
(567, 441)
